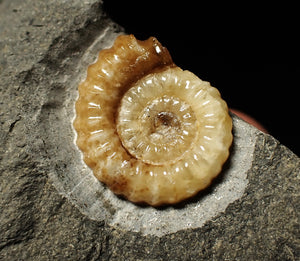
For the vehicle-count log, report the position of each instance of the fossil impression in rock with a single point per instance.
(150, 131)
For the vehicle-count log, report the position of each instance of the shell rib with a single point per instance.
(150, 131)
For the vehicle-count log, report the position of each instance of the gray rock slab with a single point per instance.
(52, 207)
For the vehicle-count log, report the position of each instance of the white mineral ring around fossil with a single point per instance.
(75, 181)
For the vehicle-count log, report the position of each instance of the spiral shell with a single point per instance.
(149, 130)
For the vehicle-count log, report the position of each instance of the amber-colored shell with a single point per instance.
(149, 130)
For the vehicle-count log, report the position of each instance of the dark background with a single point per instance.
(249, 52)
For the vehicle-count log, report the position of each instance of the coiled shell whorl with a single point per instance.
(149, 130)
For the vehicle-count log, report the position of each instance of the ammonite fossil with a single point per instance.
(149, 130)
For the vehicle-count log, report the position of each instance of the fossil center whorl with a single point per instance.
(156, 131)
(165, 127)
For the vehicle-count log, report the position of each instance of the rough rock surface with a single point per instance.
(45, 47)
